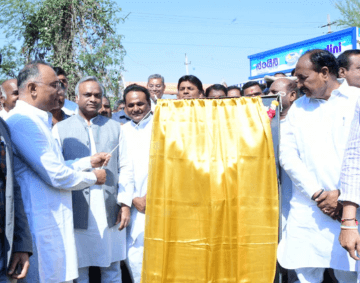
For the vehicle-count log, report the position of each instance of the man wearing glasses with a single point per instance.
(287, 89)
(45, 180)
(156, 87)
(58, 114)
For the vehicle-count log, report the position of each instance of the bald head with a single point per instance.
(288, 90)
(39, 86)
(282, 84)
(9, 94)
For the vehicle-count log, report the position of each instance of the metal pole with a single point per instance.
(187, 64)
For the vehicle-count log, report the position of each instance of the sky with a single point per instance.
(217, 36)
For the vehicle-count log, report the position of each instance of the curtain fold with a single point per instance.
(212, 202)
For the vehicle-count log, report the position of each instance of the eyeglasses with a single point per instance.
(57, 85)
(280, 93)
(63, 81)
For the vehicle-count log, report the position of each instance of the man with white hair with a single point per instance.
(156, 87)
(9, 96)
(99, 212)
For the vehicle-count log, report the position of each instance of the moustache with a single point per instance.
(303, 89)
(103, 113)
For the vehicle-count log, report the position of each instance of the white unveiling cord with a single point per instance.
(102, 167)
(147, 114)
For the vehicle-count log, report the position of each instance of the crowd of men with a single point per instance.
(73, 179)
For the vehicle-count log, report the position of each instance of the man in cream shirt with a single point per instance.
(138, 134)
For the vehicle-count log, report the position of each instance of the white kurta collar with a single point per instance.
(4, 114)
(142, 124)
(342, 90)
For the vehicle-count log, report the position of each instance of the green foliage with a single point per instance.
(77, 35)
(11, 61)
(349, 10)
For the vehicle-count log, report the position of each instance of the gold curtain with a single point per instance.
(212, 202)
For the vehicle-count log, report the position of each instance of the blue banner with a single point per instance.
(284, 59)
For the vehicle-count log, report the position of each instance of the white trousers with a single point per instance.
(316, 275)
(135, 258)
(111, 274)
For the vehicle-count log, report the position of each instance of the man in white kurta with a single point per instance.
(99, 242)
(313, 140)
(138, 135)
(45, 180)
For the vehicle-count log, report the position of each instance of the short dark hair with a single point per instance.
(280, 73)
(117, 103)
(266, 91)
(215, 87)
(322, 58)
(344, 59)
(293, 72)
(59, 71)
(292, 86)
(250, 84)
(234, 87)
(135, 87)
(30, 71)
(192, 79)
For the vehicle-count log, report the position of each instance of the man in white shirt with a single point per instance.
(99, 212)
(44, 178)
(156, 87)
(9, 96)
(349, 66)
(287, 90)
(350, 191)
(138, 135)
(312, 146)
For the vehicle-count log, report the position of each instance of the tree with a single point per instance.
(77, 35)
(349, 10)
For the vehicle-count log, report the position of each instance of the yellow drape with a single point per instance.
(212, 202)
